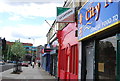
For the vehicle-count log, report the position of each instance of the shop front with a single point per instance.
(46, 59)
(99, 35)
(68, 53)
(53, 62)
(54, 58)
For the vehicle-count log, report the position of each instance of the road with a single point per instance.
(6, 67)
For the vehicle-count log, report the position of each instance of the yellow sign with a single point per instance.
(101, 67)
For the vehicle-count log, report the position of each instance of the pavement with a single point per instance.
(27, 74)
(6, 67)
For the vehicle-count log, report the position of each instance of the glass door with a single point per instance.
(90, 62)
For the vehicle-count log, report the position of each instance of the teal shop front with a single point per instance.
(99, 37)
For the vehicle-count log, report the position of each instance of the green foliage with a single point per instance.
(9, 53)
(4, 53)
(18, 50)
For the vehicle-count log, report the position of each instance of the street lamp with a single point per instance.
(32, 49)
(32, 39)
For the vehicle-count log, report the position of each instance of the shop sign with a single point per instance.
(54, 51)
(42, 51)
(65, 15)
(94, 17)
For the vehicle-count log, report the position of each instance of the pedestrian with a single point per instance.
(38, 63)
(32, 64)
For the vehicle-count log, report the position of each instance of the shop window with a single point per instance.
(68, 64)
(74, 59)
(71, 61)
(62, 59)
(107, 58)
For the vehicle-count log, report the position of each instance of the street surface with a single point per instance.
(28, 74)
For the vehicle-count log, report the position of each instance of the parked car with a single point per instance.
(24, 63)
(12, 62)
(9, 61)
(2, 62)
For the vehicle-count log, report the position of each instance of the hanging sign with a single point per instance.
(96, 16)
(65, 15)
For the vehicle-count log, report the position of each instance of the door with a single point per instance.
(89, 61)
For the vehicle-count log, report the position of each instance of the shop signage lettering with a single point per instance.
(94, 11)
(95, 16)
(65, 15)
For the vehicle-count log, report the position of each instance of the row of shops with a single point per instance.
(49, 59)
(89, 47)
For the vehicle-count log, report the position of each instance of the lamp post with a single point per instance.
(32, 49)
(32, 39)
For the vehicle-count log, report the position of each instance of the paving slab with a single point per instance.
(28, 74)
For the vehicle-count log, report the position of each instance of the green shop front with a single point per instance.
(99, 38)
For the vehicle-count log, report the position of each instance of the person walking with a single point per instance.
(33, 64)
(38, 63)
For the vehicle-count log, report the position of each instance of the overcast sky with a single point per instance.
(23, 19)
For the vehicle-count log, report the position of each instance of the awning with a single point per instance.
(44, 54)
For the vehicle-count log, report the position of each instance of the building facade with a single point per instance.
(89, 45)
(52, 40)
(99, 40)
(68, 68)
(68, 53)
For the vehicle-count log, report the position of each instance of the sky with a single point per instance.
(25, 19)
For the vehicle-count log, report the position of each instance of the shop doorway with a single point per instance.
(89, 61)
(101, 59)
(107, 51)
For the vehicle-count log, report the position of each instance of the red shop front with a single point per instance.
(68, 52)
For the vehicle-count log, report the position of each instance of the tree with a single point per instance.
(18, 51)
(3, 44)
(4, 53)
(10, 56)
